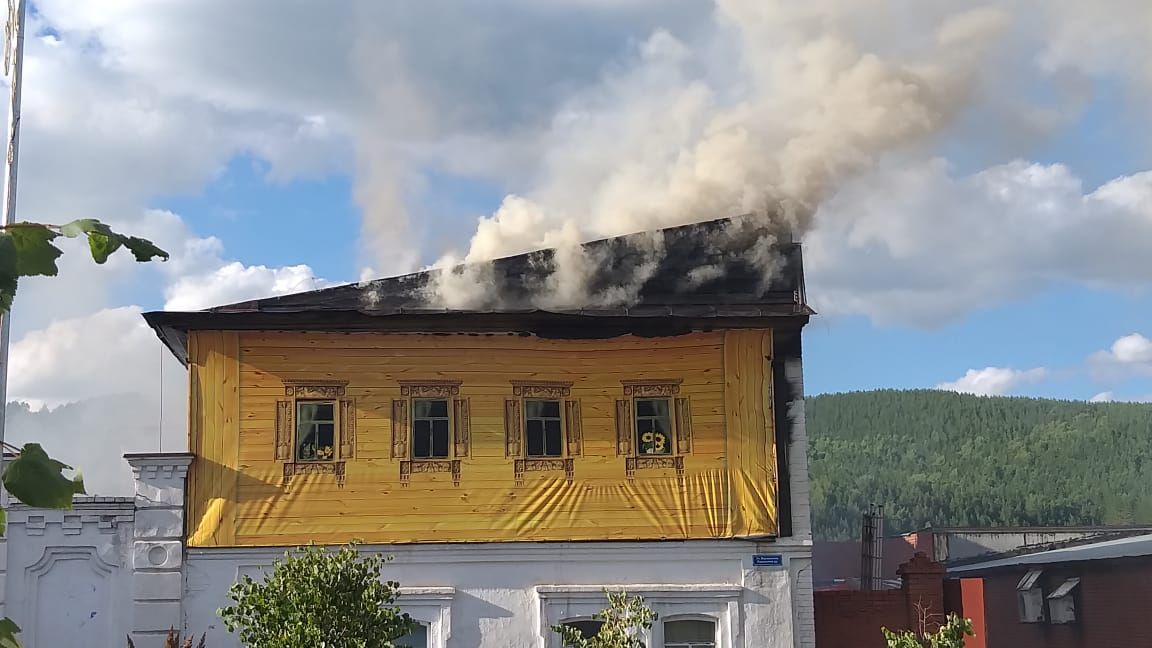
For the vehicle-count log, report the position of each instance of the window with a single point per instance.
(315, 430)
(689, 633)
(589, 628)
(1030, 598)
(653, 426)
(418, 638)
(1062, 602)
(543, 428)
(430, 428)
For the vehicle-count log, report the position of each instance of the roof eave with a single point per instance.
(172, 327)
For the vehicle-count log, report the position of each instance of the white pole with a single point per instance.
(14, 65)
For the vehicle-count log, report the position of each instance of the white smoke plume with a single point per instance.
(767, 117)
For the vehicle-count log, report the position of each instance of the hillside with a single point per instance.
(939, 458)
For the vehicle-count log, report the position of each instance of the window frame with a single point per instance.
(447, 418)
(459, 428)
(680, 426)
(335, 429)
(516, 429)
(559, 418)
(287, 428)
(719, 603)
(669, 417)
(717, 630)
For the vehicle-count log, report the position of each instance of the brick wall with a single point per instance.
(853, 619)
(1113, 606)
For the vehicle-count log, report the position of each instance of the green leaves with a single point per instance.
(103, 241)
(317, 597)
(26, 250)
(624, 620)
(35, 254)
(38, 480)
(8, 632)
(949, 635)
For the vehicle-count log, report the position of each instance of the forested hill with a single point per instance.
(940, 458)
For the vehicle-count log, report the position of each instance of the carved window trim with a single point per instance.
(680, 418)
(515, 428)
(459, 426)
(344, 443)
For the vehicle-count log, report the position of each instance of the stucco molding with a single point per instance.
(102, 572)
(431, 606)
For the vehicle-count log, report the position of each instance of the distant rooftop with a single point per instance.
(1127, 547)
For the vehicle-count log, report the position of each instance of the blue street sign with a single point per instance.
(767, 560)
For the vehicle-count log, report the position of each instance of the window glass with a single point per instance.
(653, 426)
(418, 638)
(430, 432)
(543, 429)
(588, 628)
(689, 634)
(315, 430)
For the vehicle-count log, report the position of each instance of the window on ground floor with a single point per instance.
(689, 633)
(588, 628)
(418, 638)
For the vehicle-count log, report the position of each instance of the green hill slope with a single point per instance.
(939, 458)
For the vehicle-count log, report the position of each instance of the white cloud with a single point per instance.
(994, 381)
(1103, 397)
(917, 245)
(108, 352)
(1129, 356)
(236, 282)
(112, 389)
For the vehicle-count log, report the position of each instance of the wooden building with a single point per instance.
(517, 457)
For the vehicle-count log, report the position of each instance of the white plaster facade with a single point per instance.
(509, 594)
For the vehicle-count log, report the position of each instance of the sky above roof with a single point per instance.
(973, 187)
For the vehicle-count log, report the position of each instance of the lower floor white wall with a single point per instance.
(509, 595)
(117, 566)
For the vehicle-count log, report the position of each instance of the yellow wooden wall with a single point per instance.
(237, 495)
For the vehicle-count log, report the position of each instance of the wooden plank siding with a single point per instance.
(238, 495)
(214, 437)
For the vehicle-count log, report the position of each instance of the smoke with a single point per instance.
(767, 115)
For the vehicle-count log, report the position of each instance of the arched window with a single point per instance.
(689, 633)
(418, 638)
(588, 627)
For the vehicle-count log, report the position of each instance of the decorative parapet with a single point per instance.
(159, 477)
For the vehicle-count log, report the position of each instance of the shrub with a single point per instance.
(318, 597)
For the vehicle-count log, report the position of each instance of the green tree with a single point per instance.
(318, 597)
(949, 635)
(945, 459)
(28, 250)
(624, 620)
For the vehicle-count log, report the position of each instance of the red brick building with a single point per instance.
(1094, 595)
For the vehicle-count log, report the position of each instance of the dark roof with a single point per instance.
(700, 275)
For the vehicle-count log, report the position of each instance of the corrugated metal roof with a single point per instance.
(1130, 547)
